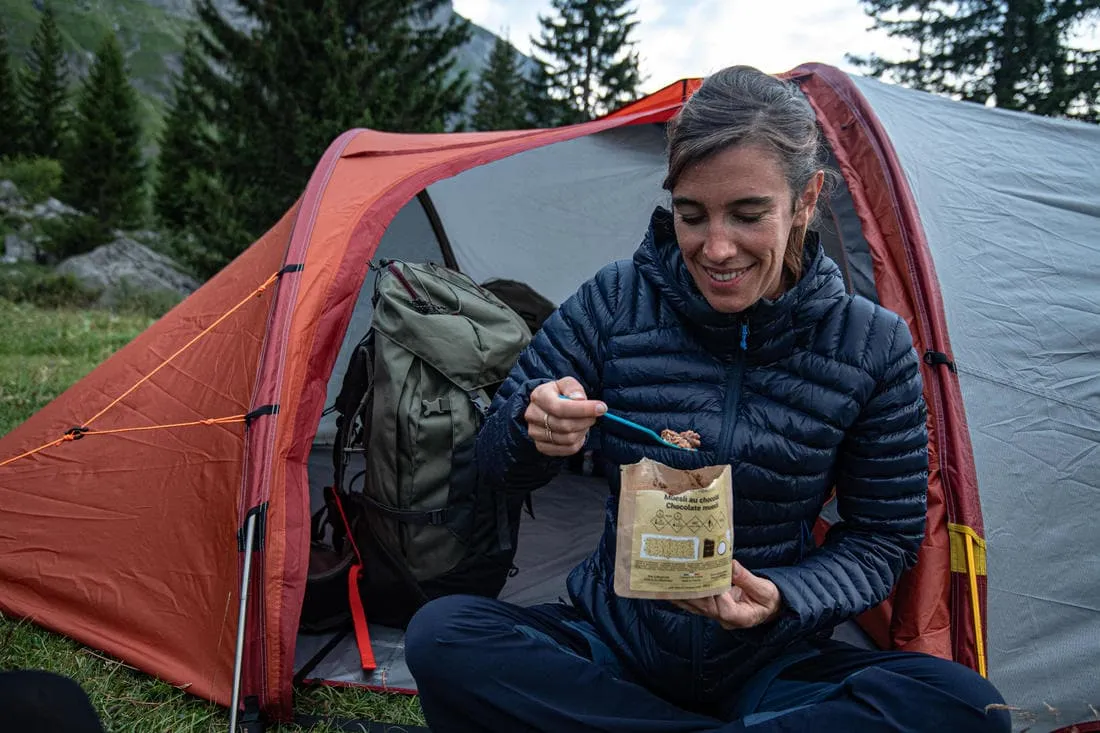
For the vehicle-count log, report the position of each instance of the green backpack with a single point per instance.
(416, 392)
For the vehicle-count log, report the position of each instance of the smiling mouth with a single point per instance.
(726, 276)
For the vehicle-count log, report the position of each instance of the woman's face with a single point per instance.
(733, 213)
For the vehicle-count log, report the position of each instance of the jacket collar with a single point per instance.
(773, 326)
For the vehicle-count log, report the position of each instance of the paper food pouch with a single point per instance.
(675, 532)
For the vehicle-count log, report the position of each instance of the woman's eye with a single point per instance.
(691, 220)
(748, 218)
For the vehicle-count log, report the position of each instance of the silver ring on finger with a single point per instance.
(550, 435)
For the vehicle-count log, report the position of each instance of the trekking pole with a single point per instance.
(238, 657)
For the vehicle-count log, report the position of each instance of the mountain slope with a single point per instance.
(151, 34)
(151, 39)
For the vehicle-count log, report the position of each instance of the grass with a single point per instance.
(42, 352)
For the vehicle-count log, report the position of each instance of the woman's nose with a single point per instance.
(720, 243)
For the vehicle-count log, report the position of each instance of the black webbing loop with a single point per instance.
(260, 412)
(936, 358)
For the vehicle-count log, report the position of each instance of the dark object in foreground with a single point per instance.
(45, 702)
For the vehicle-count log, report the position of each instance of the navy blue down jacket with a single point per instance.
(813, 390)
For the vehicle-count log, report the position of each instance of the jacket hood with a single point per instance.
(773, 325)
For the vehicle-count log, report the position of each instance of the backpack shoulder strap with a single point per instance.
(355, 393)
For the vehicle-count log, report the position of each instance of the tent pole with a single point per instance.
(238, 657)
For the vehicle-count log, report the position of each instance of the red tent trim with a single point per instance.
(907, 283)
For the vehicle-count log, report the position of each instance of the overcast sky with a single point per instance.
(687, 38)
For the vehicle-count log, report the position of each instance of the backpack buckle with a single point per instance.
(481, 401)
(437, 406)
(437, 517)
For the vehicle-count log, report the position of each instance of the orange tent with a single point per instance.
(140, 503)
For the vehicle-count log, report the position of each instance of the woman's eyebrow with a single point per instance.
(736, 204)
(750, 201)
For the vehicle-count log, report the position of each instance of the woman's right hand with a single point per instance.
(559, 427)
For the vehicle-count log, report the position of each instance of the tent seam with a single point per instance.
(1034, 391)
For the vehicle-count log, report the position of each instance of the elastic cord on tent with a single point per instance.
(973, 576)
(76, 433)
(31, 452)
(228, 420)
(186, 346)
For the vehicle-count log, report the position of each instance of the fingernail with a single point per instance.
(576, 396)
(601, 408)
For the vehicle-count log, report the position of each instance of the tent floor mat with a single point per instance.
(568, 521)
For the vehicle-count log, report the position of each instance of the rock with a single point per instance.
(24, 217)
(51, 209)
(28, 242)
(148, 237)
(10, 198)
(17, 249)
(125, 264)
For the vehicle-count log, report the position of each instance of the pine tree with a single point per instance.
(11, 111)
(311, 70)
(1016, 54)
(185, 145)
(191, 201)
(501, 102)
(104, 174)
(543, 108)
(45, 87)
(213, 234)
(591, 63)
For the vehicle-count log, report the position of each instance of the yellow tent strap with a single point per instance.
(974, 548)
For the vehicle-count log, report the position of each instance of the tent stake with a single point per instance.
(250, 536)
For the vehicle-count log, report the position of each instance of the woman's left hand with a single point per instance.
(751, 601)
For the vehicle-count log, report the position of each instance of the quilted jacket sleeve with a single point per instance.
(569, 344)
(882, 485)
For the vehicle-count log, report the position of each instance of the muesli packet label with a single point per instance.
(675, 532)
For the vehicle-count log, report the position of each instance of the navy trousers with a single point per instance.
(491, 667)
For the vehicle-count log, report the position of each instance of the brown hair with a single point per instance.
(742, 105)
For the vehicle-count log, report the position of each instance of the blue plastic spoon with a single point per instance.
(639, 428)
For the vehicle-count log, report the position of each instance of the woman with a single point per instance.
(729, 321)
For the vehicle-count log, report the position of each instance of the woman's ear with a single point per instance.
(808, 200)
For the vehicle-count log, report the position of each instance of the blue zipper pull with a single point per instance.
(744, 337)
(806, 541)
